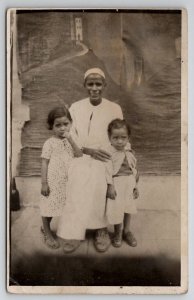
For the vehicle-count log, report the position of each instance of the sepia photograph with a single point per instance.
(97, 151)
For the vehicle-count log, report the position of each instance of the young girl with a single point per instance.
(122, 189)
(57, 153)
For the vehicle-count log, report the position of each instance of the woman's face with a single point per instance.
(95, 85)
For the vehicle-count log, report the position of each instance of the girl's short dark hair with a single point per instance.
(117, 124)
(57, 112)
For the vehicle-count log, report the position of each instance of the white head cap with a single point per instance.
(94, 71)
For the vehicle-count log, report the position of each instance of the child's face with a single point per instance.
(95, 85)
(119, 138)
(60, 126)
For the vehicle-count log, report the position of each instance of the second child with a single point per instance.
(122, 178)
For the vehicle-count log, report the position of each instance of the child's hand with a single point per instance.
(111, 192)
(45, 191)
(67, 135)
(135, 193)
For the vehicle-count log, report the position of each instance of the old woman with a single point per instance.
(87, 186)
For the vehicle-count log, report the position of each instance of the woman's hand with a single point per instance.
(97, 154)
(45, 191)
(111, 192)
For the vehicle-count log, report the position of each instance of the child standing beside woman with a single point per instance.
(122, 188)
(57, 153)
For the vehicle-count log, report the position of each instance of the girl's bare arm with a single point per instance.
(44, 179)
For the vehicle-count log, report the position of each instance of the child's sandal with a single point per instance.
(130, 239)
(51, 243)
(117, 240)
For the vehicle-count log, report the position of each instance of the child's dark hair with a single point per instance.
(57, 112)
(117, 124)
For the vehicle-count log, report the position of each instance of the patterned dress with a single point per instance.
(60, 154)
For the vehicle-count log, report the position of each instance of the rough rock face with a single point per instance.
(51, 67)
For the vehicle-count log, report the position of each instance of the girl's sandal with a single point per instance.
(51, 243)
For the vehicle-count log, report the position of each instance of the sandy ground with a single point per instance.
(154, 262)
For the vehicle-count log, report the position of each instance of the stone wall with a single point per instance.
(137, 52)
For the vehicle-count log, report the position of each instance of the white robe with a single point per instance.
(90, 123)
(87, 185)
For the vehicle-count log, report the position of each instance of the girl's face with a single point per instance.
(60, 126)
(119, 138)
(95, 85)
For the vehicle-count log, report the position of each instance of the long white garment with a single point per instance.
(87, 186)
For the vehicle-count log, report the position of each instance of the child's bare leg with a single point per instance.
(46, 225)
(118, 228)
(126, 223)
(128, 235)
(48, 235)
(117, 239)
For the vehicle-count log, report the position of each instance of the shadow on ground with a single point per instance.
(154, 262)
(101, 271)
